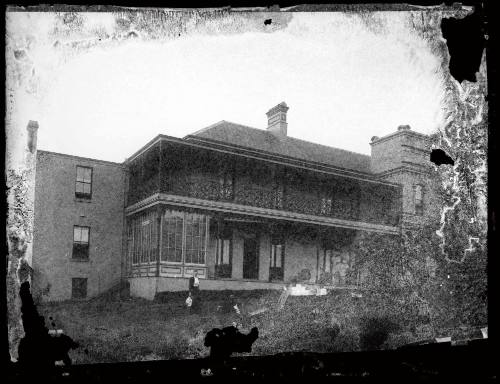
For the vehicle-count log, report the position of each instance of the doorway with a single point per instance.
(251, 258)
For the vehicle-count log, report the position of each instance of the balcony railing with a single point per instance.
(257, 197)
(341, 207)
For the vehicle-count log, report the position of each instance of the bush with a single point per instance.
(302, 276)
(326, 278)
(375, 331)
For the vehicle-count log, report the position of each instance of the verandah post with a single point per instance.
(158, 238)
(318, 245)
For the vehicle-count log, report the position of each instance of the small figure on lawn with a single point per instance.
(234, 309)
(189, 302)
(194, 284)
(234, 305)
(194, 289)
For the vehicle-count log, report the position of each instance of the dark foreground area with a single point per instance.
(437, 362)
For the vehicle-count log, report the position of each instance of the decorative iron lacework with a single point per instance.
(204, 188)
(254, 196)
(326, 206)
(226, 186)
(343, 203)
(279, 196)
(302, 203)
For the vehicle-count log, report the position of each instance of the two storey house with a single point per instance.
(245, 208)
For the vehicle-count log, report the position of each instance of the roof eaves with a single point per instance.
(279, 156)
(143, 148)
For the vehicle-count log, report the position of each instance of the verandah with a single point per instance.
(183, 248)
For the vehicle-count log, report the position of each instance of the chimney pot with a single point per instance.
(276, 119)
(32, 129)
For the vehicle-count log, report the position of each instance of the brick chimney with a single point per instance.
(401, 148)
(32, 129)
(276, 119)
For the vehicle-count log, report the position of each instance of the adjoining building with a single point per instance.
(246, 208)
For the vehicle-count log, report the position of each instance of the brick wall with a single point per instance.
(57, 210)
(404, 158)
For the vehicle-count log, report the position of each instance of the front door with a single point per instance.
(250, 259)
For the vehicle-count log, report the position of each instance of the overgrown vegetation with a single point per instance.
(416, 285)
(137, 329)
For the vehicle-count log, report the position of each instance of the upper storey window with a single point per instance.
(83, 188)
(81, 242)
(419, 200)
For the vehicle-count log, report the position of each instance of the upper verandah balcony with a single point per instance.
(199, 168)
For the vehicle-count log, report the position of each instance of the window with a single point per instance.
(226, 185)
(277, 258)
(143, 232)
(78, 288)
(83, 188)
(325, 266)
(327, 261)
(223, 256)
(148, 240)
(172, 249)
(195, 228)
(276, 255)
(184, 238)
(224, 251)
(419, 200)
(326, 206)
(81, 243)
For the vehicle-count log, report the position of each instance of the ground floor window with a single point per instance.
(223, 257)
(326, 262)
(195, 228)
(173, 230)
(181, 238)
(223, 251)
(277, 258)
(142, 238)
(78, 288)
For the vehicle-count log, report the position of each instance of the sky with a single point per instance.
(343, 81)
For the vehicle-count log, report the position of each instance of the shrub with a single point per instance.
(326, 278)
(375, 331)
(302, 276)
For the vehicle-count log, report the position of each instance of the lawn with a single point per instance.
(136, 329)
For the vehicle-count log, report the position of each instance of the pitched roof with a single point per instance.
(227, 132)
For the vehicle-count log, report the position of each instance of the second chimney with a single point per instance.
(276, 119)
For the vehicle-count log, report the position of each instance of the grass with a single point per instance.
(136, 329)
